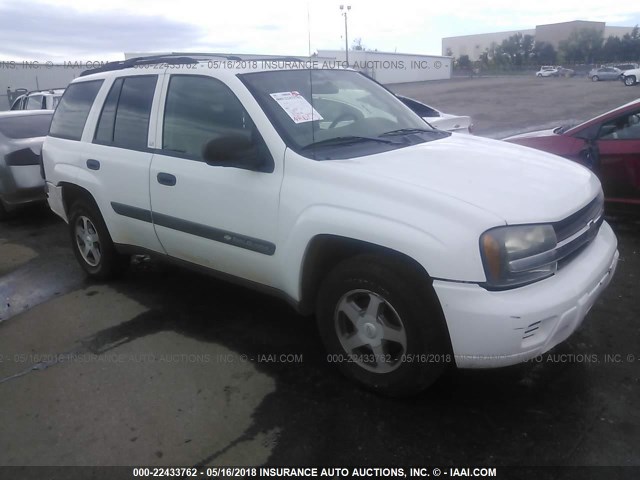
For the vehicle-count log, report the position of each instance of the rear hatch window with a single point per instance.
(25, 126)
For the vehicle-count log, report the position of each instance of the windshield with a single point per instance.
(327, 114)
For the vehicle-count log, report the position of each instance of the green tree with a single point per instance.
(357, 44)
(582, 45)
(463, 62)
(545, 54)
(630, 45)
(612, 50)
(516, 50)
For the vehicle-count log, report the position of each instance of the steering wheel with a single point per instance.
(343, 117)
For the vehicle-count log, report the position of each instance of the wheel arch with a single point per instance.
(325, 251)
(71, 193)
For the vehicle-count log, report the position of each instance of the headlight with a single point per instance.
(516, 255)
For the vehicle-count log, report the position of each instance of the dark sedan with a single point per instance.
(21, 136)
(608, 144)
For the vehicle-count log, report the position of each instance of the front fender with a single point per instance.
(435, 254)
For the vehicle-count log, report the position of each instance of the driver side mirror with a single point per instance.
(233, 150)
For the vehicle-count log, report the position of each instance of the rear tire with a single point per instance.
(382, 324)
(630, 80)
(92, 244)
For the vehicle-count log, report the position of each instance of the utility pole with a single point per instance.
(346, 32)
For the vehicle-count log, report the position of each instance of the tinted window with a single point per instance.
(134, 108)
(25, 126)
(107, 120)
(73, 110)
(199, 109)
(124, 120)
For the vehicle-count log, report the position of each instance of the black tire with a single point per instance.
(105, 262)
(409, 302)
(630, 80)
(595, 78)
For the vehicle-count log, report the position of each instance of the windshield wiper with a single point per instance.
(345, 140)
(405, 131)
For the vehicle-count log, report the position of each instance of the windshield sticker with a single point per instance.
(296, 107)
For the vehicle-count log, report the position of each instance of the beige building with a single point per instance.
(553, 33)
(474, 45)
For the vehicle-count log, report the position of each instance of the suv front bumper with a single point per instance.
(494, 329)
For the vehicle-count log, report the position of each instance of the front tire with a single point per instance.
(595, 78)
(630, 80)
(382, 324)
(92, 244)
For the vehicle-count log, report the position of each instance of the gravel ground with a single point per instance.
(503, 106)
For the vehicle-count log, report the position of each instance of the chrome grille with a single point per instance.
(572, 234)
(576, 231)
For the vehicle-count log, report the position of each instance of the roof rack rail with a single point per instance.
(45, 90)
(170, 58)
(276, 59)
(206, 55)
(248, 57)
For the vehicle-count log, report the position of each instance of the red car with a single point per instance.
(609, 144)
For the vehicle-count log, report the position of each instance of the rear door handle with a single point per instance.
(93, 164)
(166, 179)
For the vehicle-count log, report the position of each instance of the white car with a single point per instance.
(547, 71)
(416, 248)
(630, 77)
(38, 100)
(438, 119)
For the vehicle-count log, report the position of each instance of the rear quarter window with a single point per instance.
(25, 126)
(72, 112)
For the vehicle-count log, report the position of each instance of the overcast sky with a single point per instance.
(75, 30)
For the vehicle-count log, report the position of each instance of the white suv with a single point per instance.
(547, 71)
(630, 77)
(415, 248)
(38, 100)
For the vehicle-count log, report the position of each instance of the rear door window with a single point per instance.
(124, 120)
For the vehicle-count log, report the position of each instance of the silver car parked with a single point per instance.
(21, 136)
(604, 73)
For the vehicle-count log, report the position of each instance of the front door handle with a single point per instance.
(166, 179)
